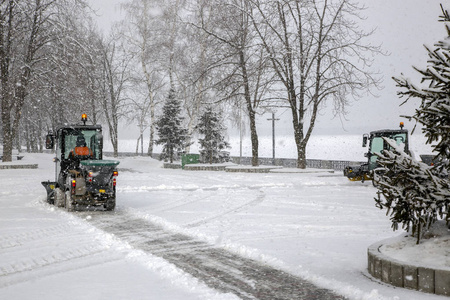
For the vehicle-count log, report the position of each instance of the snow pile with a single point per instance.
(432, 252)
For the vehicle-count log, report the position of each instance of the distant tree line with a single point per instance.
(241, 57)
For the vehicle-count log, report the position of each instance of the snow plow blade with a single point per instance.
(357, 173)
(50, 188)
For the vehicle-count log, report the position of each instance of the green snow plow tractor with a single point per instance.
(368, 171)
(82, 177)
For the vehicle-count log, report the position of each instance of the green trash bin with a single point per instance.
(187, 159)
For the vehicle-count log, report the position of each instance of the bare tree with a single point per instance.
(116, 65)
(193, 76)
(45, 53)
(318, 53)
(171, 10)
(241, 63)
(143, 29)
(21, 37)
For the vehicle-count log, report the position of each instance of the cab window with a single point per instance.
(90, 137)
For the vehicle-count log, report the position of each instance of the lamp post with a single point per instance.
(273, 136)
(240, 134)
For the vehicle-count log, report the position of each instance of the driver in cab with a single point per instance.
(81, 150)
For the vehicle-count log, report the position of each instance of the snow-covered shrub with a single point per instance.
(414, 194)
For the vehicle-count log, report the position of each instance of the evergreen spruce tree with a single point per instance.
(169, 127)
(414, 194)
(434, 110)
(211, 128)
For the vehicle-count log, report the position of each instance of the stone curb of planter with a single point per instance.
(406, 275)
(172, 165)
(20, 166)
(196, 167)
(248, 169)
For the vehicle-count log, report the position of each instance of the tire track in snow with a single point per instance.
(216, 267)
(36, 266)
(178, 203)
(184, 201)
(40, 252)
(132, 189)
(258, 200)
(15, 240)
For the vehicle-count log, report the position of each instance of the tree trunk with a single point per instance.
(254, 139)
(251, 111)
(198, 98)
(137, 145)
(301, 156)
(39, 139)
(27, 137)
(7, 142)
(170, 149)
(111, 112)
(152, 109)
(114, 139)
(6, 127)
(6, 27)
(115, 147)
(152, 137)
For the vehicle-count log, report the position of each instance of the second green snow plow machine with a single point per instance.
(82, 177)
(377, 144)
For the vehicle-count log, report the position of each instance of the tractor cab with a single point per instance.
(75, 143)
(376, 145)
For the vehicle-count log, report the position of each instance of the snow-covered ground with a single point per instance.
(316, 225)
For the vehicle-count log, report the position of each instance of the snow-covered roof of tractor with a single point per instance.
(385, 132)
(78, 126)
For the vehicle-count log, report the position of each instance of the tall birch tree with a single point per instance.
(143, 31)
(116, 63)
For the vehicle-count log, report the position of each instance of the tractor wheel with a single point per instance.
(110, 204)
(68, 201)
(59, 197)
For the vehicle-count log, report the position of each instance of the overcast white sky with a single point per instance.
(108, 11)
(402, 29)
